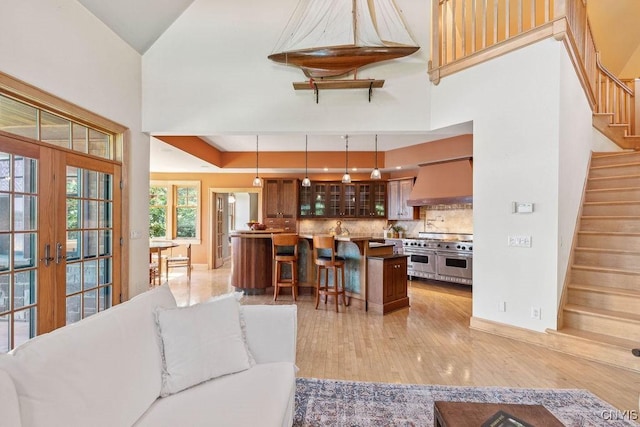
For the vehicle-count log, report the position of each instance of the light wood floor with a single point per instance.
(430, 343)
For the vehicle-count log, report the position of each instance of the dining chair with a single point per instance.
(178, 261)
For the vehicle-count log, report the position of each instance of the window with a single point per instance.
(174, 210)
(158, 212)
(186, 211)
(19, 118)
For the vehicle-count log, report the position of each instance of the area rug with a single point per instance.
(345, 403)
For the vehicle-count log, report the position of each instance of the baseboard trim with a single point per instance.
(509, 331)
(574, 346)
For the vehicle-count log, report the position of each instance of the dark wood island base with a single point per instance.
(251, 270)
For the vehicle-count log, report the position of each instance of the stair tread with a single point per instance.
(607, 250)
(612, 217)
(606, 290)
(614, 177)
(609, 233)
(601, 338)
(600, 312)
(605, 270)
(605, 190)
(613, 202)
(600, 154)
(615, 165)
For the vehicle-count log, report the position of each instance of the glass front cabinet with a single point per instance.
(329, 199)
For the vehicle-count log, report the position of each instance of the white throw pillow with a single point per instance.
(201, 342)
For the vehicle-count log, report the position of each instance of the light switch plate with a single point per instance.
(522, 207)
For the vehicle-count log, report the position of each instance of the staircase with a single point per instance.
(600, 319)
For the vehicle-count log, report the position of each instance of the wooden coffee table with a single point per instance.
(468, 414)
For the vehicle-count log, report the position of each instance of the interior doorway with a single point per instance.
(230, 209)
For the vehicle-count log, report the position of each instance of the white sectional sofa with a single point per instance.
(109, 370)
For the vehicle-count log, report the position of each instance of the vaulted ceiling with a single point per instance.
(141, 22)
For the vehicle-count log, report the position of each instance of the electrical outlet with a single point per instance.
(519, 241)
(535, 313)
(502, 306)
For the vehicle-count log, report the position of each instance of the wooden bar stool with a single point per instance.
(285, 251)
(325, 258)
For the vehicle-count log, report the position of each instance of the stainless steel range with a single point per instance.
(440, 256)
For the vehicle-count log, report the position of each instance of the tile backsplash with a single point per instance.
(368, 227)
(434, 219)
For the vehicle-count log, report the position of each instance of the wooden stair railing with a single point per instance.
(469, 32)
(616, 115)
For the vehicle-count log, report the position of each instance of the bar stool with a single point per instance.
(325, 259)
(285, 251)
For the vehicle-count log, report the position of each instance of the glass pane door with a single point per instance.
(89, 242)
(18, 249)
(349, 200)
(379, 199)
(364, 200)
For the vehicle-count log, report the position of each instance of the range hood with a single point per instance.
(443, 182)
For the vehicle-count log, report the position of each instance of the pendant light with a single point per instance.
(346, 178)
(306, 182)
(375, 174)
(257, 182)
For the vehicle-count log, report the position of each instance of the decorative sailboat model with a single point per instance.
(330, 38)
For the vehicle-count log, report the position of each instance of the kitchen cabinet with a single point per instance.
(387, 283)
(398, 193)
(333, 199)
(280, 200)
(342, 200)
(372, 199)
(313, 200)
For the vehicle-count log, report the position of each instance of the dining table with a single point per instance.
(157, 246)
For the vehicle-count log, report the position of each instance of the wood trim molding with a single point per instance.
(47, 101)
(539, 33)
(509, 331)
(558, 29)
(573, 51)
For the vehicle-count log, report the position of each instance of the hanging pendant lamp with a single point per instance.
(306, 182)
(257, 182)
(375, 174)
(346, 178)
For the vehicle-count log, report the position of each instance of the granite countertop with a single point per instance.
(255, 233)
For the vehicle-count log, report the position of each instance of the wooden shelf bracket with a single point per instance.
(316, 85)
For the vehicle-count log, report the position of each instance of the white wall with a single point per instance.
(243, 211)
(516, 103)
(58, 46)
(576, 134)
(209, 73)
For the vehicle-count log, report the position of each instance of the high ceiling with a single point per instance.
(141, 22)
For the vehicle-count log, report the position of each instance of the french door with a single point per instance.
(59, 238)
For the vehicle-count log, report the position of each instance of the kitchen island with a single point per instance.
(252, 270)
(355, 249)
(251, 260)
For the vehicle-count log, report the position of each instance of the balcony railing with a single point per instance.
(468, 32)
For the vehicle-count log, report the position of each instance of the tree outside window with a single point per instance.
(186, 211)
(158, 212)
(174, 210)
